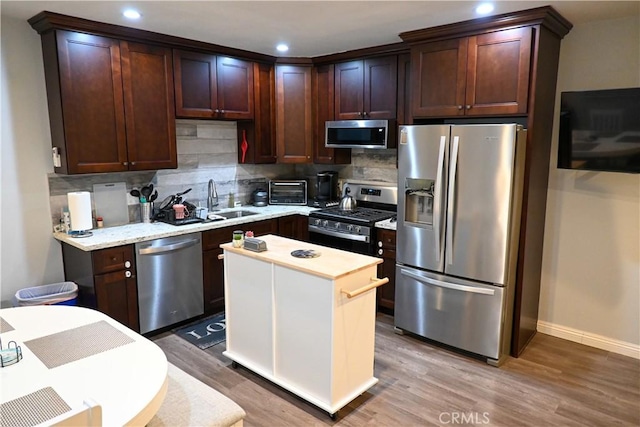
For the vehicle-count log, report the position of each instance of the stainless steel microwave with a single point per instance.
(288, 192)
(357, 134)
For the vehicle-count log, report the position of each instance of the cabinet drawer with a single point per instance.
(113, 259)
(387, 239)
(212, 239)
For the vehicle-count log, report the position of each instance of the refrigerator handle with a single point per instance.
(437, 195)
(451, 198)
(454, 286)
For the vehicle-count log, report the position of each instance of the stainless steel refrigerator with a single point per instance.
(459, 203)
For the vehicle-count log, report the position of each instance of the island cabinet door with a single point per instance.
(249, 312)
(324, 341)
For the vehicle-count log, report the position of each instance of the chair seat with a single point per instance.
(190, 402)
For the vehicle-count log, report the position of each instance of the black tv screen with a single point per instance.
(600, 130)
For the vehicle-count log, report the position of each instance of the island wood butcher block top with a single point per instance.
(332, 263)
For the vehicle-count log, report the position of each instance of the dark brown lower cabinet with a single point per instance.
(213, 274)
(387, 251)
(106, 281)
(294, 227)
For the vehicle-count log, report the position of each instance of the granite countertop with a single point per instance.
(387, 224)
(138, 232)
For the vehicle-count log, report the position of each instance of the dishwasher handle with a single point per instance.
(153, 250)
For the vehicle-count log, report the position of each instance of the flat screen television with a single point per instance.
(600, 130)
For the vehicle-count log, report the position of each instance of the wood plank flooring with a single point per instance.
(554, 383)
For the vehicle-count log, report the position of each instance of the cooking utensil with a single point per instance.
(245, 145)
(154, 196)
(135, 193)
(146, 192)
(347, 203)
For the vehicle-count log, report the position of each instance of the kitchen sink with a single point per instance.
(235, 214)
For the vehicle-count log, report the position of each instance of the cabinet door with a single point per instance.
(261, 131)
(235, 88)
(294, 227)
(438, 78)
(387, 251)
(498, 72)
(213, 268)
(404, 90)
(213, 286)
(117, 297)
(260, 228)
(323, 95)
(380, 87)
(294, 128)
(147, 77)
(91, 99)
(195, 84)
(349, 90)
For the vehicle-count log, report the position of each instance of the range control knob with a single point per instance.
(349, 227)
(325, 223)
(337, 225)
(358, 229)
(317, 222)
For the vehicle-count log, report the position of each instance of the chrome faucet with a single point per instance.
(212, 196)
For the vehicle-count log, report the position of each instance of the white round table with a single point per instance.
(129, 381)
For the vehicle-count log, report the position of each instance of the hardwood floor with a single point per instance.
(554, 383)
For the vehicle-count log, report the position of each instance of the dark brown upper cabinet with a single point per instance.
(260, 133)
(482, 75)
(322, 80)
(213, 87)
(111, 103)
(294, 127)
(366, 89)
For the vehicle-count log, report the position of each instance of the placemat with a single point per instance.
(75, 344)
(32, 409)
(5, 326)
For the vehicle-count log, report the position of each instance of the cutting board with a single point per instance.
(111, 203)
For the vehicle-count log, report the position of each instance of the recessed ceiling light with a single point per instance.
(484, 8)
(131, 14)
(282, 47)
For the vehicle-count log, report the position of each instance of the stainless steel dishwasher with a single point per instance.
(169, 280)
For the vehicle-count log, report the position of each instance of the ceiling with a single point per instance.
(311, 28)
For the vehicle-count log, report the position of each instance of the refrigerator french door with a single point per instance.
(458, 222)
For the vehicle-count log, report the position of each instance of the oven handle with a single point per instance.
(319, 230)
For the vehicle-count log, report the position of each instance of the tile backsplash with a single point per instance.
(209, 150)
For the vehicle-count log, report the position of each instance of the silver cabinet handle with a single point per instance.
(127, 274)
(450, 203)
(127, 264)
(152, 250)
(441, 284)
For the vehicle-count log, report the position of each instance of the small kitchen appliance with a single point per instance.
(260, 197)
(326, 190)
(288, 192)
(359, 134)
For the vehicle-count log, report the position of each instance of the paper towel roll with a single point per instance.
(80, 210)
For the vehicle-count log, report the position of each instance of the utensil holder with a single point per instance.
(145, 211)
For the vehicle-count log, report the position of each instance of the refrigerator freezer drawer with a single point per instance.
(458, 313)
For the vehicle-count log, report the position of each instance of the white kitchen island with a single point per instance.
(306, 324)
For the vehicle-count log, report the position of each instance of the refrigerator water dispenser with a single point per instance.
(419, 201)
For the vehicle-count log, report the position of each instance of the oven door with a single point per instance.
(358, 244)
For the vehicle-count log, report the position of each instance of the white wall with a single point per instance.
(28, 253)
(591, 263)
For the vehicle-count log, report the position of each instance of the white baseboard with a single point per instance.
(592, 340)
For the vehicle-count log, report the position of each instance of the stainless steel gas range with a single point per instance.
(354, 230)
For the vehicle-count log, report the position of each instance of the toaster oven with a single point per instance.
(288, 192)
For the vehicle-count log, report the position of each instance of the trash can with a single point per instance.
(63, 293)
